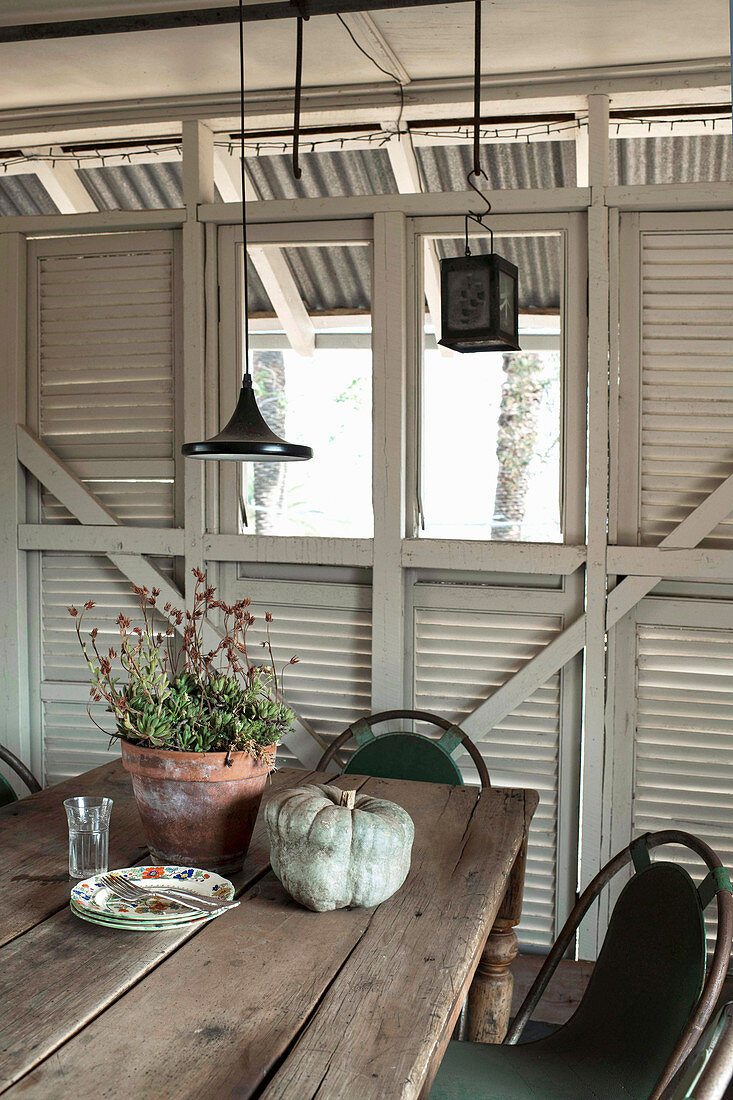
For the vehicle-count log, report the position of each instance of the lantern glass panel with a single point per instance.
(490, 437)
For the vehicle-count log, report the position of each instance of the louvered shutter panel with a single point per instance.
(106, 362)
(330, 687)
(462, 657)
(686, 377)
(683, 745)
(72, 743)
(104, 318)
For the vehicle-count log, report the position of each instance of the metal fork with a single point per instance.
(129, 891)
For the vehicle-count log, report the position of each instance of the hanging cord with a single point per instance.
(477, 89)
(298, 85)
(477, 171)
(245, 281)
(386, 72)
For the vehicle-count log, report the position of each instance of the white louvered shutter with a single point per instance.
(462, 657)
(331, 685)
(686, 377)
(104, 319)
(683, 745)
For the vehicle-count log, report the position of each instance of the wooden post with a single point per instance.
(489, 1000)
(198, 187)
(388, 478)
(14, 689)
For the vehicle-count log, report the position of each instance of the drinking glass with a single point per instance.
(88, 835)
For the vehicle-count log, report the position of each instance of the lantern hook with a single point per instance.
(478, 216)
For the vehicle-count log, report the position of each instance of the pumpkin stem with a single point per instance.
(348, 798)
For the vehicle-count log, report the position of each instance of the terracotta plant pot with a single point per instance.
(195, 810)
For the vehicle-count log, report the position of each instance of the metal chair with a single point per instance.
(708, 1072)
(644, 1008)
(402, 755)
(7, 794)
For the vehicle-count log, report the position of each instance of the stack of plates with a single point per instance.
(93, 902)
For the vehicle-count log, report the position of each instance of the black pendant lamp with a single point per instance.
(247, 437)
(479, 294)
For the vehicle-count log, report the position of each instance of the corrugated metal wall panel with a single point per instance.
(461, 658)
(686, 377)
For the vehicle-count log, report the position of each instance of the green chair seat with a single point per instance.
(643, 989)
(7, 794)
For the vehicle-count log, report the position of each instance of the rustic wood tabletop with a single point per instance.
(269, 999)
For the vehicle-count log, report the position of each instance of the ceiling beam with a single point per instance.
(370, 38)
(61, 182)
(409, 181)
(201, 17)
(628, 86)
(269, 263)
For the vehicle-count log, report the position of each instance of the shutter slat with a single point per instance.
(683, 744)
(461, 657)
(686, 378)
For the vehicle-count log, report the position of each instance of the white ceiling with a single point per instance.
(519, 36)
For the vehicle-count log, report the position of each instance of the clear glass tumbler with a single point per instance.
(88, 835)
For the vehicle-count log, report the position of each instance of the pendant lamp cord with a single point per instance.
(477, 171)
(245, 281)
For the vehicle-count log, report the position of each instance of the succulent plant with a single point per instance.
(177, 695)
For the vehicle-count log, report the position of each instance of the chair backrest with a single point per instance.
(645, 993)
(402, 755)
(7, 794)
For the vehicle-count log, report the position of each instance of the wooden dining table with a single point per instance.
(269, 1000)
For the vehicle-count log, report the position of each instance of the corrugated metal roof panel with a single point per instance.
(684, 158)
(351, 172)
(540, 164)
(24, 195)
(339, 278)
(135, 186)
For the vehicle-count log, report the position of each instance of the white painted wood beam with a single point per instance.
(14, 682)
(370, 38)
(594, 666)
(692, 565)
(43, 464)
(406, 170)
(91, 539)
(688, 534)
(389, 311)
(269, 263)
(61, 181)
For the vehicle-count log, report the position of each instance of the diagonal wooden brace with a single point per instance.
(700, 522)
(304, 742)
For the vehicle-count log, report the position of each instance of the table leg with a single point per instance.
(489, 1000)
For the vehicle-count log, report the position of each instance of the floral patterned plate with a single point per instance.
(140, 925)
(94, 899)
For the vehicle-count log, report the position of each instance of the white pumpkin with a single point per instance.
(329, 856)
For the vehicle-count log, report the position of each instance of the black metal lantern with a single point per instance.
(479, 303)
(479, 294)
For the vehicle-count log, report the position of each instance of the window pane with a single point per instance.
(323, 400)
(491, 422)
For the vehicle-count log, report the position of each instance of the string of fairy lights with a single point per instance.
(101, 156)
